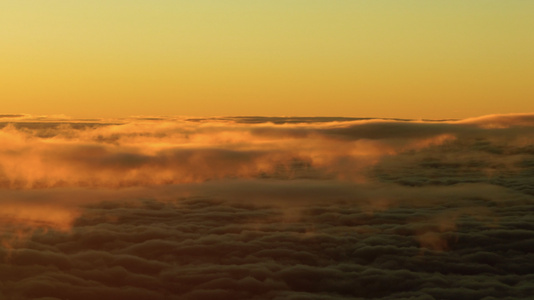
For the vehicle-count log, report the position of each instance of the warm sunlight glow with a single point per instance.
(431, 59)
(266, 150)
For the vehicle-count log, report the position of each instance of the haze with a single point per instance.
(404, 59)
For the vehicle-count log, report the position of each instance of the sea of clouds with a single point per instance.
(266, 208)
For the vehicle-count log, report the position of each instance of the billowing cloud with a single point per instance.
(266, 208)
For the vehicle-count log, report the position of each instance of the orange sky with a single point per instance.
(431, 59)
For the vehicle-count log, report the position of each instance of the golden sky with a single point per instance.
(429, 59)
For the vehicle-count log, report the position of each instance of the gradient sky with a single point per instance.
(431, 59)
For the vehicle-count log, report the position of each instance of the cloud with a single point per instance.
(501, 121)
(266, 208)
(247, 248)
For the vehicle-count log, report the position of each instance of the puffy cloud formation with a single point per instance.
(266, 208)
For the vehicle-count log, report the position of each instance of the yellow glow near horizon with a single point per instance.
(434, 59)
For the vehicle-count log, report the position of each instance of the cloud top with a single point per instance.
(132, 152)
(266, 208)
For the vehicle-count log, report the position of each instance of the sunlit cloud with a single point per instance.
(265, 208)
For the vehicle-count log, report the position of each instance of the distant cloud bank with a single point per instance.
(266, 208)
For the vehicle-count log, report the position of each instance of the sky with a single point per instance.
(397, 59)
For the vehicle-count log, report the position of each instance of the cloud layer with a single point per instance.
(266, 208)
